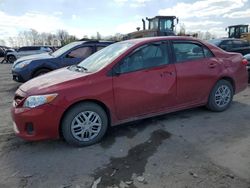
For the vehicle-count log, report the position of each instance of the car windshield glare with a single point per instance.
(65, 48)
(105, 56)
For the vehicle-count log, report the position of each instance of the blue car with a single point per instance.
(29, 67)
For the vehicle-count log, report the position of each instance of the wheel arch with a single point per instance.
(38, 69)
(230, 80)
(99, 103)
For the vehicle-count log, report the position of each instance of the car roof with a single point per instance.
(225, 39)
(97, 42)
(155, 39)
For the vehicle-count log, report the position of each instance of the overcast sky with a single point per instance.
(86, 17)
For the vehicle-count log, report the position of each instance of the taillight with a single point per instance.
(244, 62)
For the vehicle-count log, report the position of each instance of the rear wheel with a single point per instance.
(11, 59)
(41, 72)
(221, 96)
(84, 124)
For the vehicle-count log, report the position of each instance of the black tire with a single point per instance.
(40, 72)
(212, 105)
(11, 59)
(70, 116)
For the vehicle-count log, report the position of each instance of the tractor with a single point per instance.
(157, 26)
(239, 31)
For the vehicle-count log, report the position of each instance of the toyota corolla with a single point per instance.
(127, 81)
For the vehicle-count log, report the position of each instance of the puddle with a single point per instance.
(129, 130)
(122, 169)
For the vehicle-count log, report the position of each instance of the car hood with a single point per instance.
(52, 82)
(33, 57)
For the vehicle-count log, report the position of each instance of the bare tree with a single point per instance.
(207, 36)
(64, 37)
(182, 30)
(98, 36)
(11, 41)
(2, 42)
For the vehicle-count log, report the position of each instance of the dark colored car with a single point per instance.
(232, 45)
(31, 66)
(127, 81)
(2, 51)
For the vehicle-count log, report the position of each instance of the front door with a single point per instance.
(75, 56)
(145, 83)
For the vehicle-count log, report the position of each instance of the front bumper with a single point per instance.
(18, 78)
(37, 123)
(21, 75)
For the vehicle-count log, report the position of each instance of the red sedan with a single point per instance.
(127, 81)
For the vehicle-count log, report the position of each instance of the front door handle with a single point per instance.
(212, 65)
(167, 73)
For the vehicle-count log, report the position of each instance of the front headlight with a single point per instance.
(22, 64)
(37, 100)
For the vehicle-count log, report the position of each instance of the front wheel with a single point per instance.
(84, 124)
(221, 96)
(41, 72)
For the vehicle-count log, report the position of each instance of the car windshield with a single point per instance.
(215, 42)
(65, 48)
(105, 56)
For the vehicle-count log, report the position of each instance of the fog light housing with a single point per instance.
(29, 128)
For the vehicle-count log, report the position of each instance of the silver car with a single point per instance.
(25, 51)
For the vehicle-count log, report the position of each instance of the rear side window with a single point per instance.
(144, 57)
(23, 49)
(29, 48)
(186, 51)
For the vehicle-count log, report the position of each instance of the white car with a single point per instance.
(25, 51)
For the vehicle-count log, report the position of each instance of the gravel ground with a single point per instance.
(191, 148)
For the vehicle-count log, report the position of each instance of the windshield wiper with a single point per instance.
(81, 67)
(78, 68)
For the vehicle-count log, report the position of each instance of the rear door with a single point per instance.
(76, 55)
(146, 82)
(197, 70)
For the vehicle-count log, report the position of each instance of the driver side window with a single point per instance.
(145, 57)
(82, 52)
